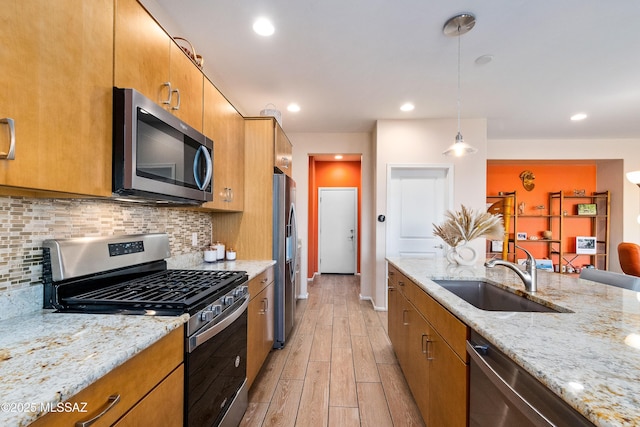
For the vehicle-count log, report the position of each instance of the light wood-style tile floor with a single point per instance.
(337, 369)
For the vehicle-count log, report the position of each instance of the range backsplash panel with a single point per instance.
(25, 223)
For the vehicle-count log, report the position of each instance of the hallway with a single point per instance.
(338, 368)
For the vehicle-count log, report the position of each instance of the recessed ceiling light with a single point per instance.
(293, 107)
(263, 27)
(338, 157)
(578, 117)
(407, 107)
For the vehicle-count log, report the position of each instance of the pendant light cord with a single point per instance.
(458, 79)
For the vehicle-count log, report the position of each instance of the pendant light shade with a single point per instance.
(455, 27)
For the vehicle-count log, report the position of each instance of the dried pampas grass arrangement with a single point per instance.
(466, 225)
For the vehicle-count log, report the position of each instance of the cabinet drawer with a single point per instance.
(131, 381)
(258, 283)
(454, 332)
(393, 276)
(398, 280)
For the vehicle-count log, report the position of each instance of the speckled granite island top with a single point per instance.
(590, 357)
(47, 357)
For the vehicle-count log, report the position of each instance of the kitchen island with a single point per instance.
(589, 355)
(47, 357)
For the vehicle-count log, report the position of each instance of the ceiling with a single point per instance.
(350, 63)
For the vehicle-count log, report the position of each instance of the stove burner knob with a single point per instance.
(227, 300)
(240, 291)
(206, 316)
(216, 309)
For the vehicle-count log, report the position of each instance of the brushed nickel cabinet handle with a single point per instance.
(11, 154)
(177, 106)
(111, 402)
(168, 100)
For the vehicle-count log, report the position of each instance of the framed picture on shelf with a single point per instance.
(497, 245)
(587, 209)
(585, 245)
(544, 264)
(521, 235)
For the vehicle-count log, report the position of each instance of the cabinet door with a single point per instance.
(225, 126)
(418, 371)
(142, 52)
(56, 81)
(186, 80)
(260, 331)
(163, 406)
(283, 151)
(448, 386)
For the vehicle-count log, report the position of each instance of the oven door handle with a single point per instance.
(198, 339)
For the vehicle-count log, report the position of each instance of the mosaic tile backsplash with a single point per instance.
(25, 223)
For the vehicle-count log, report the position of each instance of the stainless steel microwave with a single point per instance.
(156, 156)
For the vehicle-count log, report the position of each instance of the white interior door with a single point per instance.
(337, 229)
(417, 198)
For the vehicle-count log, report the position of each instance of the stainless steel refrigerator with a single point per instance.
(285, 246)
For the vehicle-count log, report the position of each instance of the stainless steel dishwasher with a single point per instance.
(501, 393)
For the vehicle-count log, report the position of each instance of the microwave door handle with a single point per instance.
(207, 158)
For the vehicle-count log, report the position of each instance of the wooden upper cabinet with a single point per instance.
(283, 158)
(187, 84)
(225, 126)
(148, 60)
(56, 78)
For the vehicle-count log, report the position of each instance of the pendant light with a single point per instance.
(455, 27)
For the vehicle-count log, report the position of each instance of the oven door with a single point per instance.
(216, 371)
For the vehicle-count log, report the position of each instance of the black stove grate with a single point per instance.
(183, 288)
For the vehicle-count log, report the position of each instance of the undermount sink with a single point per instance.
(487, 296)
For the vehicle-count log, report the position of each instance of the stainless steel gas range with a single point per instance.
(128, 275)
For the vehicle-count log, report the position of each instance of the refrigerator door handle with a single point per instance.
(294, 241)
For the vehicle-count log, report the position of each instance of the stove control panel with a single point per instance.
(125, 248)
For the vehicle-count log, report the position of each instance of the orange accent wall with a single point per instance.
(548, 178)
(329, 174)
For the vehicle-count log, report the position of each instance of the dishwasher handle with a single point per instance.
(519, 402)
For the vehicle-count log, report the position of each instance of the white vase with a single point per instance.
(462, 254)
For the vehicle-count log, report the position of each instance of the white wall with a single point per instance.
(306, 144)
(422, 142)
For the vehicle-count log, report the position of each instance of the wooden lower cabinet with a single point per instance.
(150, 387)
(158, 408)
(260, 322)
(436, 373)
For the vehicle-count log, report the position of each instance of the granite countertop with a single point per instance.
(253, 268)
(590, 356)
(47, 357)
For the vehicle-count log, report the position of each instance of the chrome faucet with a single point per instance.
(528, 276)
